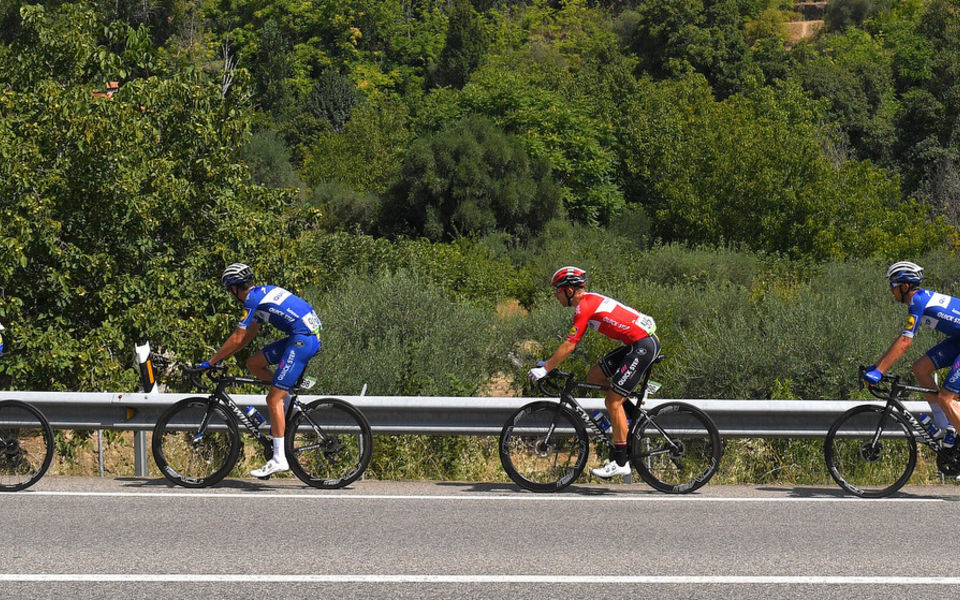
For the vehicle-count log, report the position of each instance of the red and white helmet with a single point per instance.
(569, 277)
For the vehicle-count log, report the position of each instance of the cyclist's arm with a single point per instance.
(565, 350)
(895, 353)
(237, 341)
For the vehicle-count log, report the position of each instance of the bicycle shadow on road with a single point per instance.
(828, 492)
(226, 484)
(574, 490)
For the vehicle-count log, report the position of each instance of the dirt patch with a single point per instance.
(501, 385)
(511, 308)
(801, 30)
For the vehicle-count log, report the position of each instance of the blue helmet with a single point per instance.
(905, 272)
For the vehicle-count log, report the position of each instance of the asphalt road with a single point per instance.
(108, 538)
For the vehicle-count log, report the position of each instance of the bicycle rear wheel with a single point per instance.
(26, 445)
(328, 443)
(544, 447)
(870, 452)
(196, 442)
(677, 449)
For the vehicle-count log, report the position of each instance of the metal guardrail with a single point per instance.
(396, 415)
(442, 415)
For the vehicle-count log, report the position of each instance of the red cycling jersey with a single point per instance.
(611, 318)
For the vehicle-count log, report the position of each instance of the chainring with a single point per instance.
(948, 461)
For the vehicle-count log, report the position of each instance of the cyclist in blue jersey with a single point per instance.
(291, 315)
(942, 313)
(1, 338)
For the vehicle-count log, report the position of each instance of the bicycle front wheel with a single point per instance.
(544, 447)
(196, 442)
(870, 451)
(676, 449)
(26, 445)
(328, 443)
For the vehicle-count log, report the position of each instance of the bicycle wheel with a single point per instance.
(26, 445)
(196, 442)
(676, 449)
(328, 443)
(869, 453)
(544, 447)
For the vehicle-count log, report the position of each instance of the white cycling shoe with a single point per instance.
(611, 469)
(272, 466)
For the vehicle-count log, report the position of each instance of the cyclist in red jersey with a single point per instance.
(621, 369)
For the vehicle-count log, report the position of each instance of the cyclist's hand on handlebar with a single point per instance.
(872, 375)
(537, 373)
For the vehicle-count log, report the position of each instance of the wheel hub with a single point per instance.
(542, 448)
(871, 452)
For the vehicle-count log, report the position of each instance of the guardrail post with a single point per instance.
(140, 453)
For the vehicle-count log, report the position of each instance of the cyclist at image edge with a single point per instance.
(1, 338)
(942, 313)
(289, 314)
(621, 369)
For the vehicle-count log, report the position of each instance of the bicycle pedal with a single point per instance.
(264, 477)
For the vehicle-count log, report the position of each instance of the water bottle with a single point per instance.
(602, 421)
(255, 417)
(927, 422)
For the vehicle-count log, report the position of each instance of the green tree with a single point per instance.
(751, 170)
(117, 215)
(367, 155)
(671, 37)
(465, 46)
(470, 178)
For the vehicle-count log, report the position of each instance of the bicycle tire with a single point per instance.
(328, 443)
(186, 461)
(862, 467)
(26, 445)
(680, 456)
(535, 462)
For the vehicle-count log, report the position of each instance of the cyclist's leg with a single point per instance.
(600, 374)
(949, 392)
(625, 368)
(297, 352)
(259, 364)
(944, 354)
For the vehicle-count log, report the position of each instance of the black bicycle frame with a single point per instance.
(631, 406)
(220, 396)
(892, 398)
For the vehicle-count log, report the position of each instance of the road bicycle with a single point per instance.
(544, 446)
(196, 442)
(871, 450)
(26, 444)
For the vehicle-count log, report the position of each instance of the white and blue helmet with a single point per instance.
(905, 272)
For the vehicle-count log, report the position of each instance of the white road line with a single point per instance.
(460, 579)
(456, 497)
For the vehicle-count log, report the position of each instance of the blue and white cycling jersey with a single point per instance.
(1, 338)
(275, 305)
(935, 310)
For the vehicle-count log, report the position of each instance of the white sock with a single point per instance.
(278, 454)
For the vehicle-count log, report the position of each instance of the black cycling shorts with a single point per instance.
(625, 366)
